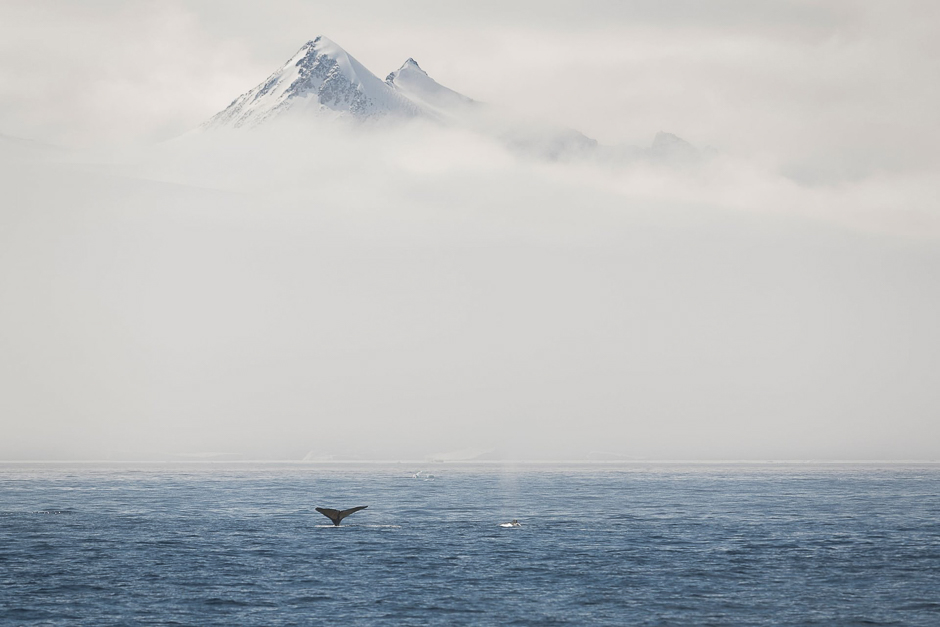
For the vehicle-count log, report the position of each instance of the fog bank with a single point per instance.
(420, 292)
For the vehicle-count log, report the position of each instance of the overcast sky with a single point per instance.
(836, 89)
(411, 291)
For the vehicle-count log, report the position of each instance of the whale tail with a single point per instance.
(337, 515)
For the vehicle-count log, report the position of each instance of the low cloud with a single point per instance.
(415, 291)
(395, 293)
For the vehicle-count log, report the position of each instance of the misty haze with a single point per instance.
(337, 266)
(616, 312)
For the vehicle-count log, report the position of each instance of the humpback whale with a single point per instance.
(336, 515)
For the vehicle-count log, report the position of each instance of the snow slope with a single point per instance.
(426, 93)
(320, 77)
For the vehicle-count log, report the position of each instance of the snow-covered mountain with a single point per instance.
(321, 77)
(324, 79)
(427, 94)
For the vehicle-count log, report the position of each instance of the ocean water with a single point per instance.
(241, 544)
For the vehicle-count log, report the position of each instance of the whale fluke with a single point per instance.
(336, 515)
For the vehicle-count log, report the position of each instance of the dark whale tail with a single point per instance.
(336, 515)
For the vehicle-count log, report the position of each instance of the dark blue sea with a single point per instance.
(633, 544)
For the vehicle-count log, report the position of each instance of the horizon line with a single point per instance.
(481, 462)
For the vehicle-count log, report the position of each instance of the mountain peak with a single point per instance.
(411, 63)
(414, 84)
(321, 75)
(408, 67)
(316, 46)
(320, 41)
(325, 45)
(322, 78)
